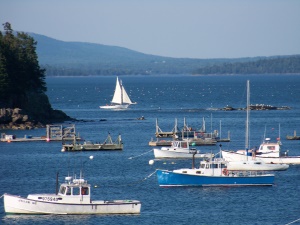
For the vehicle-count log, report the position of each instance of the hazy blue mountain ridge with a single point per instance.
(80, 58)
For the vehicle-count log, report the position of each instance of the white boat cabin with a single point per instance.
(266, 149)
(76, 191)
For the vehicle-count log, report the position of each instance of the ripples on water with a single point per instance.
(31, 167)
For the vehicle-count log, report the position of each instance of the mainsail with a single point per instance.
(120, 97)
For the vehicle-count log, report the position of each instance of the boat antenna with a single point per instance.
(56, 190)
(81, 171)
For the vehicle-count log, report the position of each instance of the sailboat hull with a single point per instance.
(114, 107)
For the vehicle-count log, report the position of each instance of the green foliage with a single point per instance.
(20, 72)
(278, 65)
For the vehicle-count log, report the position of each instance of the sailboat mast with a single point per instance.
(121, 87)
(248, 113)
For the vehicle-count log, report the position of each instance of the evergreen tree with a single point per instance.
(20, 73)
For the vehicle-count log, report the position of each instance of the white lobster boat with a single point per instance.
(73, 197)
(179, 150)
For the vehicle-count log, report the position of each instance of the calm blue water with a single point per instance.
(31, 167)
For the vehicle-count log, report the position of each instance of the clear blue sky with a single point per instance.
(175, 28)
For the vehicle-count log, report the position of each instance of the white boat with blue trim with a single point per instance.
(213, 173)
(73, 197)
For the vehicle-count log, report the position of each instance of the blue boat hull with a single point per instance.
(168, 178)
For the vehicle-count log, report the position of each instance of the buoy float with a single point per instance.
(151, 162)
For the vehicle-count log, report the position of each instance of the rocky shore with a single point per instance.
(18, 119)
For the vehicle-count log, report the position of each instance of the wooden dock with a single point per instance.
(53, 133)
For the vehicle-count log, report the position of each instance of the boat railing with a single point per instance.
(247, 173)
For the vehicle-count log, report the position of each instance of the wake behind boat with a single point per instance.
(73, 197)
(120, 99)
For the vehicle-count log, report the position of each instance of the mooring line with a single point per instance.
(293, 222)
(140, 154)
(128, 184)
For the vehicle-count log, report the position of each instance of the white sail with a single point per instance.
(126, 99)
(120, 99)
(117, 99)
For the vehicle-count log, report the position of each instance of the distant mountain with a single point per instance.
(79, 58)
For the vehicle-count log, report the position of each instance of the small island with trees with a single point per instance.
(23, 100)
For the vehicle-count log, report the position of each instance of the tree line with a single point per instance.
(280, 65)
(20, 72)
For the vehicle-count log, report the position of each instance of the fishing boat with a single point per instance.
(108, 144)
(295, 137)
(120, 99)
(268, 152)
(179, 150)
(256, 165)
(213, 172)
(73, 197)
(245, 156)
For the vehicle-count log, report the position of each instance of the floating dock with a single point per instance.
(53, 133)
(108, 144)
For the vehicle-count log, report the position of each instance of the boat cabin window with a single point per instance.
(76, 191)
(223, 166)
(202, 166)
(215, 166)
(183, 145)
(84, 190)
(68, 190)
(271, 147)
(62, 190)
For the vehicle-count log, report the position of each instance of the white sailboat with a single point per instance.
(244, 161)
(120, 99)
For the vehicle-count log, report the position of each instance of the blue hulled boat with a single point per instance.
(213, 173)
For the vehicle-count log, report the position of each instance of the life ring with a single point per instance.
(225, 172)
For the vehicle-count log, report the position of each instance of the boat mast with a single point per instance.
(121, 86)
(248, 113)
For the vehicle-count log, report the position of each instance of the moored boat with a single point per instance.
(213, 173)
(180, 150)
(268, 152)
(256, 165)
(73, 197)
(295, 137)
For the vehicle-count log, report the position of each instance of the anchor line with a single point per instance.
(140, 154)
(293, 222)
(130, 184)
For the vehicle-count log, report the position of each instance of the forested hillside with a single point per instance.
(77, 58)
(61, 58)
(22, 81)
(279, 65)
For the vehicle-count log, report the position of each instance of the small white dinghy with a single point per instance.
(73, 197)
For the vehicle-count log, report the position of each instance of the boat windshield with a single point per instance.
(62, 190)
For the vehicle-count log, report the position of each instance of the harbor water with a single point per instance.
(31, 167)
